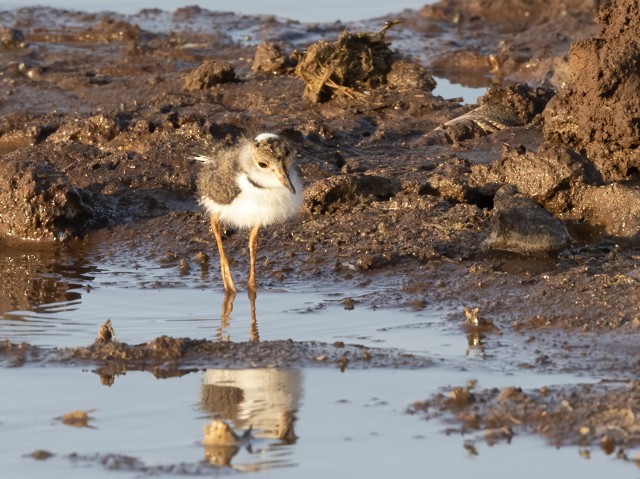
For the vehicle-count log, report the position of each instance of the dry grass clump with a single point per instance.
(357, 61)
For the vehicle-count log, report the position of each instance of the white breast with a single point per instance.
(257, 206)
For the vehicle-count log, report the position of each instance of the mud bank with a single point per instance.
(588, 415)
(168, 357)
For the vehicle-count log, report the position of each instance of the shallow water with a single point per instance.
(351, 424)
(297, 314)
(139, 314)
(449, 89)
(354, 423)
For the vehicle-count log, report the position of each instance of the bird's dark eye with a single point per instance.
(262, 164)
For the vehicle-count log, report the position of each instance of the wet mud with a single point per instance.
(524, 206)
(167, 357)
(587, 415)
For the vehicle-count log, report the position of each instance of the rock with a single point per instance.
(522, 226)
(41, 454)
(95, 130)
(112, 30)
(453, 182)
(106, 333)
(12, 38)
(210, 73)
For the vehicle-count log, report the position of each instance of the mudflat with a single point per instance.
(525, 206)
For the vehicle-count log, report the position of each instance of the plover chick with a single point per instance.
(251, 185)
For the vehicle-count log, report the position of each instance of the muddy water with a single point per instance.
(352, 423)
(296, 313)
(450, 89)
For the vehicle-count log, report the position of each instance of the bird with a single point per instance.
(249, 186)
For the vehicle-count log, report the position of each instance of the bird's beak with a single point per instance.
(286, 181)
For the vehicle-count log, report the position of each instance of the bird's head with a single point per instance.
(272, 160)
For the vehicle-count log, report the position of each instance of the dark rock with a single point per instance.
(12, 38)
(522, 226)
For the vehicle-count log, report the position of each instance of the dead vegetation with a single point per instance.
(356, 62)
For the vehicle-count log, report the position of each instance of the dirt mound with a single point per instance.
(209, 74)
(523, 40)
(598, 114)
(270, 58)
(611, 210)
(344, 191)
(355, 62)
(550, 176)
(39, 203)
(166, 356)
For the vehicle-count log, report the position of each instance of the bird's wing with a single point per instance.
(202, 158)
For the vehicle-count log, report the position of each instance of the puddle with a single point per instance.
(300, 315)
(353, 422)
(310, 422)
(296, 313)
(448, 89)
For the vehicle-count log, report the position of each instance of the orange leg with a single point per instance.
(224, 263)
(253, 248)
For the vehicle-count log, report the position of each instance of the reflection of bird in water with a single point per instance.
(263, 401)
(249, 186)
(227, 308)
(221, 442)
